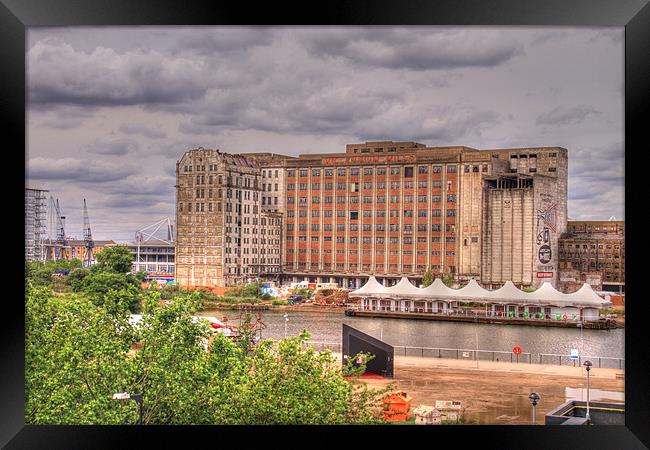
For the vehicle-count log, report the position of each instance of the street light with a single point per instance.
(286, 319)
(588, 365)
(136, 397)
(534, 398)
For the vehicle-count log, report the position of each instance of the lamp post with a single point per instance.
(286, 319)
(136, 397)
(588, 365)
(534, 398)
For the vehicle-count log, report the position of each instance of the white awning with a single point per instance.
(545, 295)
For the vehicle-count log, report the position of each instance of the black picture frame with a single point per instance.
(634, 15)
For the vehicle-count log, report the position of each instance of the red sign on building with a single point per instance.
(544, 274)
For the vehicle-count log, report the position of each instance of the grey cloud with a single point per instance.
(228, 39)
(543, 37)
(143, 130)
(566, 116)
(58, 74)
(417, 49)
(112, 147)
(158, 185)
(72, 169)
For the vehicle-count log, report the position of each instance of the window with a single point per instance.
(423, 169)
(552, 169)
(329, 172)
(408, 172)
(436, 213)
(367, 171)
(466, 169)
(451, 169)
(475, 169)
(354, 215)
(303, 172)
(436, 184)
(394, 170)
(392, 149)
(422, 198)
(422, 213)
(314, 186)
(381, 171)
(451, 197)
(328, 186)
(315, 172)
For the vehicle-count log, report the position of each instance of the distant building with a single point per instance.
(154, 256)
(35, 224)
(593, 252)
(75, 249)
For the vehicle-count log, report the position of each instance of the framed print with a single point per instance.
(373, 215)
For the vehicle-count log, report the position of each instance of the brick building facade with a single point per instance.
(593, 251)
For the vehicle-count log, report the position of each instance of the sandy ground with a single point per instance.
(497, 392)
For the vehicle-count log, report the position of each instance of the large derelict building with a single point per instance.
(394, 209)
(388, 209)
(223, 237)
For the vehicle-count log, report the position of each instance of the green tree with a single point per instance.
(37, 273)
(448, 279)
(79, 354)
(428, 278)
(76, 279)
(114, 259)
(110, 288)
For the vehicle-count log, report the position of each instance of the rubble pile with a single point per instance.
(331, 297)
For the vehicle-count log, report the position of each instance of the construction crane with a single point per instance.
(60, 238)
(88, 259)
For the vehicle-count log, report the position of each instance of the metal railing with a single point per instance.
(491, 355)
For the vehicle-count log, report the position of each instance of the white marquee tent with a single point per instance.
(545, 296)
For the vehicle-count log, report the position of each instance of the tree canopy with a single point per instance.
(80, 352)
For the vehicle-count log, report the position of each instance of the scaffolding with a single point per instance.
(35, 224)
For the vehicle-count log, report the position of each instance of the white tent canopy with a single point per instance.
(546, 294)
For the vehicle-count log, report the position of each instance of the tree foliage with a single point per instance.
(428, 278)
(448, 279)
(79, 353)
(114, 259)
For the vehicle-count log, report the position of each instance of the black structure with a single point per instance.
(574, 412)
(354, 342)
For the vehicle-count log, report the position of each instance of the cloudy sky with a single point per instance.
(111, 110)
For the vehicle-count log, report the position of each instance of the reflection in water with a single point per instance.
(326, 327)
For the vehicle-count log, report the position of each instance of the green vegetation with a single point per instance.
(428, 278)
(79, 353)
(528, 289)
(279, 303)
(448, 279)
(306, 293)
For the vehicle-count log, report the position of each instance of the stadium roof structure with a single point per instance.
(546, 294)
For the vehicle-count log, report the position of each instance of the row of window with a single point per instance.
(395, 170)
(356, 187)
(379, 199)
(328, 251)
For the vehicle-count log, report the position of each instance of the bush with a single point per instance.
(279, 303)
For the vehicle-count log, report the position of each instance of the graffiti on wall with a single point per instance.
(546, 225)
